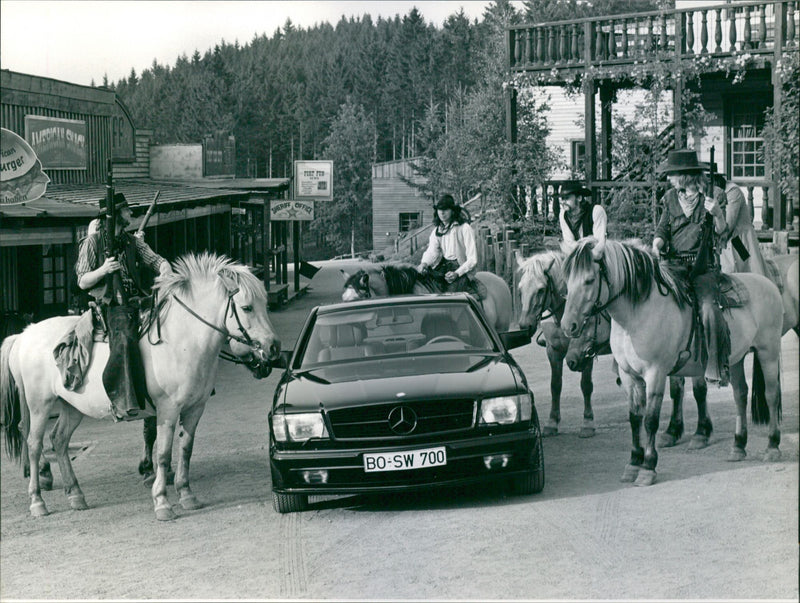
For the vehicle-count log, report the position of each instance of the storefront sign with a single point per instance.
(313, 180)
(21, 176)
(291, 209)
(60, 144)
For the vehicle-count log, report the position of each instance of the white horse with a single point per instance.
(208, 300)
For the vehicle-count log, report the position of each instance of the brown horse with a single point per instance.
(543, 288)
(652, 318)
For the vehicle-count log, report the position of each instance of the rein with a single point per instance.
(245, 338)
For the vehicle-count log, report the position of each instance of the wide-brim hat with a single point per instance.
(683, 161)
(119, 201)
(575, 188)
(445, 202)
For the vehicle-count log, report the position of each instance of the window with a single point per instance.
(410, 221)
(747, 143)
(54, 275)
(578, 156)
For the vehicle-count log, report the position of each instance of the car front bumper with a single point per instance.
(465, 464)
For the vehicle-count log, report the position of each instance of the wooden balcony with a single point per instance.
(559, 51)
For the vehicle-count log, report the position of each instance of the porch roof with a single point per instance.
(82, 200)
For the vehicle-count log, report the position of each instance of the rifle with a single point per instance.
(149, 213)
(705, 253)
(115, 282)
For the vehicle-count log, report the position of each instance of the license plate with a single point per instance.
(407, 459)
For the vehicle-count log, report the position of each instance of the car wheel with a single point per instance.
(289, 503)
(533, 481)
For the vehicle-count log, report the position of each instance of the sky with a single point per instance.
(81, 41)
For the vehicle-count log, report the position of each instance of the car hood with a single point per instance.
(366, 381)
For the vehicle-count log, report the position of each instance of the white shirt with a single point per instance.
(599, 221)
(456, 244)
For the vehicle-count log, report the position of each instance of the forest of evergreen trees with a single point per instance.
(407, 88)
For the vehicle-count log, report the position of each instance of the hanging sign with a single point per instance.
(313, 180)
(60, 144)
(21, 176)
(291, 209)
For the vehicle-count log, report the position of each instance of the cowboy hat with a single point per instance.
(683, 161)
(119, 201)
(445, 202)
(575, 188)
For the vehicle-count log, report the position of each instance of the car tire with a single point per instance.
(289, 503)
(533, 481)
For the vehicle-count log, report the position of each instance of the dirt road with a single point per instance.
(708, 529)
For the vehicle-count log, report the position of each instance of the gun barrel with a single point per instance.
(149, 213)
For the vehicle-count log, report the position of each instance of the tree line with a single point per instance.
(364, 91)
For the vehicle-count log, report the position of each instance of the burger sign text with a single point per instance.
(21, 176)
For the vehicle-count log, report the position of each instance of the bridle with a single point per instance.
(598, 307)
(259, 363)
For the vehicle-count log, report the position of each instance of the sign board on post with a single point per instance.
(291, 209)
(59, 143)
(21, 177)
(313, 180)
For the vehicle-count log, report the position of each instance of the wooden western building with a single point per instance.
(39, 239)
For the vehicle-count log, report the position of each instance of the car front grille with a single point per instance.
(376, 420)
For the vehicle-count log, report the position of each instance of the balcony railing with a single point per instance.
(717, 31)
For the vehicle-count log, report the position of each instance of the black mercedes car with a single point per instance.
(399, 393)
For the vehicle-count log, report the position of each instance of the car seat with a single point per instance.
(344, 342)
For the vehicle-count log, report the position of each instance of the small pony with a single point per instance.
(652, 321)
(207, 301)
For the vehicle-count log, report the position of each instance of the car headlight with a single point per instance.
(299, 427)
(506, 410)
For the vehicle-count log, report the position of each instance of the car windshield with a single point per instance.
(397, 330)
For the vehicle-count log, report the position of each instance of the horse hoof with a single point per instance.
(698, 442)
(587, 432)
(772, 455)
(667, 440)
(549, 431)
(736, 455)
(647, 477)
(38, 509)
(190, 503)
(630, 474)
(165, 514)
(77, 502)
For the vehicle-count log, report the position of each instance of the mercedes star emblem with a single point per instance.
(402, 420)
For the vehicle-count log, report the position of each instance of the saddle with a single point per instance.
(731, 294)
(123, 375)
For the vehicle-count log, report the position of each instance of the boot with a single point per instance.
(118, 373)
(718, 343)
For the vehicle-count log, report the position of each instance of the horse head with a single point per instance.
(584, 281)
(539, 287)
(209, 281)
(356, 286)
(365, 283)
(592, 342)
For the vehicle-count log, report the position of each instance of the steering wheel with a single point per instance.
(441, 338)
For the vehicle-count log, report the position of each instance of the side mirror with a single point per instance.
(515, 339)
(282, 361)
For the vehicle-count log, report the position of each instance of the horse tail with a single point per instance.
(10, 407)
(759, 409)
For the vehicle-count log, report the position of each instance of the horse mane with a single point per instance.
(205, 266)
(533, 267)
(401, 279)
(633, 267)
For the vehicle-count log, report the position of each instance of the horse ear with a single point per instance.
(345, 275)
(519, 258)
(229, 281)
(364, 281)
(598, 249)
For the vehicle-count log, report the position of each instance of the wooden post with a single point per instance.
(296, 253)
(606, 96)
(590, 165)
(777, 93)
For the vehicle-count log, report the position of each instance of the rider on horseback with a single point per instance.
(452, 256)
(690, 241)
(92, 268)
(579, 216)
